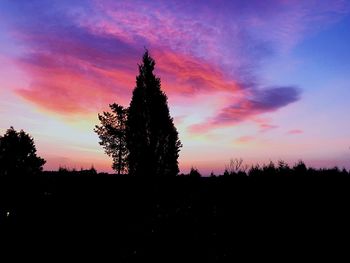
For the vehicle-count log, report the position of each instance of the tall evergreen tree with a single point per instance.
(113, 137)
(152, 139)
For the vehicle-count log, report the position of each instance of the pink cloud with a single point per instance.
(266, 127)
(68, 84)
(80, 89)
(186, 74)
(295, 131)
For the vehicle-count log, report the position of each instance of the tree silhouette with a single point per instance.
(151, 136)
(18, 154)
(194, 172)
(112, 134)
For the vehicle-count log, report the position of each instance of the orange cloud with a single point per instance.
(244, 139)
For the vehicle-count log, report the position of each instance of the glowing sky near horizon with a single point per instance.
(260, 80)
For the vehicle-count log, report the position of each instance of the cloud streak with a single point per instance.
(295, 131)
(262, 101)
(244, 139)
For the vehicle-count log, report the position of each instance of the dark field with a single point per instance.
(202, 218)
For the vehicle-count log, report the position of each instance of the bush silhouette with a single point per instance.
(18, 154)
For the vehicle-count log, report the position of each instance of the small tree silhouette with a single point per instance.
(18, 154)
(300, 168)
(152, 138)
(236, 167)
(112, 134)
(194, 172)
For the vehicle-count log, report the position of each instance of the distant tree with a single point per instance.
(269, 169)
(283, 168)
(344, 172)
(18, 154)
(63, 170)
(255, 170)
(194, 172)
(152, 139)
(300, 168)
(226, 173)
(92, 170)
(236, 167)
(112, 133)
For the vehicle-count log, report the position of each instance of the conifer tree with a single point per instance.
(151, 137)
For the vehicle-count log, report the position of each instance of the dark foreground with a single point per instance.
(177, 218)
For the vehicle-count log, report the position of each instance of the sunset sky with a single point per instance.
(259, 80)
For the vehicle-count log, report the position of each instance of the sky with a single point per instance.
(258, 80)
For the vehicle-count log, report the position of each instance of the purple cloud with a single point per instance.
(266, 100)
(263, 101)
